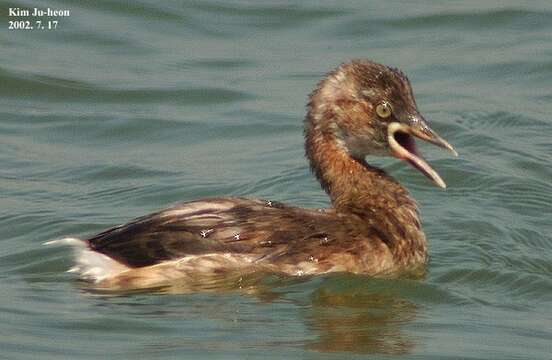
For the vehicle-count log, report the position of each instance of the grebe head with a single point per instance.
(369, 109)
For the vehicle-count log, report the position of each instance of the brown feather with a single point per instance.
(373, 226)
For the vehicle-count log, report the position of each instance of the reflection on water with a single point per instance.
(344, 312)
(360, 320)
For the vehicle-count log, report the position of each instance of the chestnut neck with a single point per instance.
(358, 189)
(352, 184)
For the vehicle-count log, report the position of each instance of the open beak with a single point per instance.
(401, 140)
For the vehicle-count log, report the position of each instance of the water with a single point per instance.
(128, 107)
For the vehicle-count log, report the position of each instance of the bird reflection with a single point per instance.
(345, 313)
(360, 320)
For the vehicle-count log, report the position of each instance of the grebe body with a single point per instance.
(372, 227)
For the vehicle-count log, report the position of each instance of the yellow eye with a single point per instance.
(384, 110)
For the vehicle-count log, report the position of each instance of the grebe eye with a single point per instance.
(384, 110)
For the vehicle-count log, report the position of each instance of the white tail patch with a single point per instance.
(90, 265)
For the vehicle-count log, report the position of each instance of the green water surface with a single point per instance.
(129, 106)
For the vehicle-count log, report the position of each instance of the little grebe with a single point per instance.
(373, 227)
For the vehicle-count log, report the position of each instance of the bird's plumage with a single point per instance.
(270, 234)
(372, 227)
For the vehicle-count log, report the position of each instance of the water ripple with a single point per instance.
(464, 20)
(59, 89)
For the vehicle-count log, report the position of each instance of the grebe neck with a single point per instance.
(352, 184)
(358, 189)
